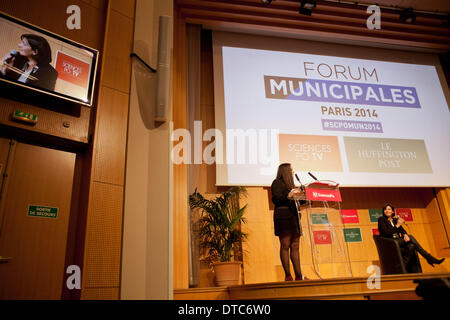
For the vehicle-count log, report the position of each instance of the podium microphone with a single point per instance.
(301, 185)
(312, 175)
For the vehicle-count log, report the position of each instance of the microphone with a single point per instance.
(13, 54)
(312, 175)
(301, 185)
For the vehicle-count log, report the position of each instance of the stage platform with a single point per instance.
(392, 287)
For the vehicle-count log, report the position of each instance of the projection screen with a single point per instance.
(359, 116)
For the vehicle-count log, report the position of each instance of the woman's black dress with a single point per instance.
(285, 217)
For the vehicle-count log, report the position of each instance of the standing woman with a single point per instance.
(391, 227)
(286, 220)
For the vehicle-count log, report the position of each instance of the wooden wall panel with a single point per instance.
(180, 192)
(103, 235)
(443, 199)
(438, 224)
(258, 253)
(111, 137)
(124, 7)
(117, 65)
(100, 294)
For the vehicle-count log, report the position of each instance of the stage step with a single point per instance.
(391, 287)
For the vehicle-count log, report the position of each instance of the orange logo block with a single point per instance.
(310, 153)
(72, 69)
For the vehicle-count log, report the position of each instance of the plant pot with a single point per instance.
(227, 273)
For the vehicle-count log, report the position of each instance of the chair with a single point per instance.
(391, 257)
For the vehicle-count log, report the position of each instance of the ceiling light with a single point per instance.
(307, 7)
(408, 16)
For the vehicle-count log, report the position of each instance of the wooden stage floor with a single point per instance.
(391, 287)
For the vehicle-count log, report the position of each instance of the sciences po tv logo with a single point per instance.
(72, 70)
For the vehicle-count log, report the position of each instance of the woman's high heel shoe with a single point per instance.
(288, 278)
(432, 260)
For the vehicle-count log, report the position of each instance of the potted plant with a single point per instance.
(219, 232)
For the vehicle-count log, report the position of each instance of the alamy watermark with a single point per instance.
(74, 280)
(374, 280)
(243, 146)
(74, 20)
(374, 21)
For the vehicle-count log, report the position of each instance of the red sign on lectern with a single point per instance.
(323, 195)
(349, 216)
(322, 236)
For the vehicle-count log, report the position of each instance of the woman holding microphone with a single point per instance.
(390, 226)
(31, 64)
(286, 219)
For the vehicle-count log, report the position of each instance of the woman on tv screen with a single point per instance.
(31, 64)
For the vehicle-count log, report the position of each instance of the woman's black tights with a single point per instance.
(290, 248)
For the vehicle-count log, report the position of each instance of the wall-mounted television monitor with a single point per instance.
(40, 60)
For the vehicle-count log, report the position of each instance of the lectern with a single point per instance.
(324, 234)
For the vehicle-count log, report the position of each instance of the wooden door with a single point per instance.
(34, 224)
(4, 151)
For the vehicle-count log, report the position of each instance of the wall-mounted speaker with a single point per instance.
(152, 85)
(163, 69)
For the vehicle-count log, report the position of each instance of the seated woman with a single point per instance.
(390, 226)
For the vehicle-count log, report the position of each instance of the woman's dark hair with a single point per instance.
(388, 205)
(44, 52)
(284, 173)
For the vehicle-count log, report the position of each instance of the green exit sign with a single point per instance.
(24, 116)
(42, 212)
